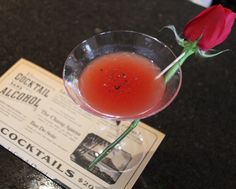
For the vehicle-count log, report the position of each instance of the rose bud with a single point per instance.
(212, 26)
(202, 33)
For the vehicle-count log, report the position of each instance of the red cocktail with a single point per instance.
(114, 75)
(122, 85)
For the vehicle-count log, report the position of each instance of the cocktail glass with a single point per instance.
(113, 42)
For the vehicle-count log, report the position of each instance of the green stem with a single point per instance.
(113, 144)
(178, 64)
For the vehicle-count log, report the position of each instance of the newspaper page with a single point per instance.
(41, 124)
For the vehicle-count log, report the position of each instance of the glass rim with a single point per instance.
(130, 117)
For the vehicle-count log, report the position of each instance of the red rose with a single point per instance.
(213, 25)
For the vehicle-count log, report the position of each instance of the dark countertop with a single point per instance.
(199, 150)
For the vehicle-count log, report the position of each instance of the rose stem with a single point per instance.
(170, 65)
(113, 144)
(178, 64)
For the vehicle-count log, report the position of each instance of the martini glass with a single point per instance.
(110, 43)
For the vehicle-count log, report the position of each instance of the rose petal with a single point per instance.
(229, 21)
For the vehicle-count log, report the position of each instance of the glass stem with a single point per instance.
(113, 144)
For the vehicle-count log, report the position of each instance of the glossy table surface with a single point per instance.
(199, 150)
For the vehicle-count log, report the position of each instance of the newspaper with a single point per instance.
(40, 124)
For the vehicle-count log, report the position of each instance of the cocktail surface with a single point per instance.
(121, 84)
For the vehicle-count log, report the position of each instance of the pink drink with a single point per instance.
(122, 84)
